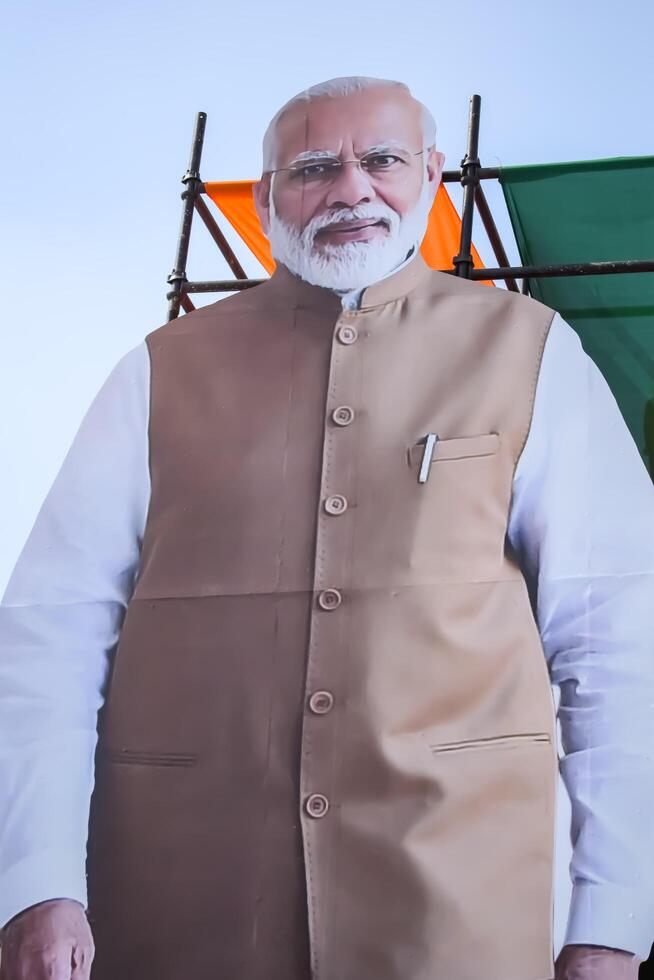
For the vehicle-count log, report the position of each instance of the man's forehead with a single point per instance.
(363, 119)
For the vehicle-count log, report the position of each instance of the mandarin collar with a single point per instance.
(397, 285)
(393, 287)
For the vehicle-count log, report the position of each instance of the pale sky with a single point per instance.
(98, 105)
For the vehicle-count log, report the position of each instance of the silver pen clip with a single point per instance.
(430, 442)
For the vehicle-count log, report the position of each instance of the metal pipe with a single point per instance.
(222, 285)
(469, 179)
(517, 272)
(493, 235)
(484, 173)
(219, 238)
(191, 179)
(577, 269)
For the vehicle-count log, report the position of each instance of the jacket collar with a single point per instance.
(393, 287)
(397, 285)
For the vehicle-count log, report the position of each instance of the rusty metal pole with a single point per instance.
(493, 234)
(191, 181)
(469, 179)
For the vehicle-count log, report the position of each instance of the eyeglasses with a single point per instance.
(324, 170)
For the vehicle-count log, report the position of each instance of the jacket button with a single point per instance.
(347, 334)
(316, 805)
(321, 702)
(343, 415)
(329, 599)
(336, 504)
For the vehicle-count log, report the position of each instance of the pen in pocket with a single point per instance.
(430, 442)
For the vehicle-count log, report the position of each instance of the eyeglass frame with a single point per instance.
(342, 163)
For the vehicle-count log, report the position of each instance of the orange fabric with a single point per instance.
(234, 199)
(441, 241)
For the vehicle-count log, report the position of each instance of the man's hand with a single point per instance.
(596, 963)
(48, 941)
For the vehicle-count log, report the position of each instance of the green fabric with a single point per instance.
(592, 211)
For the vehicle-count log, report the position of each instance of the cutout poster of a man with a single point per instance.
(312, 564)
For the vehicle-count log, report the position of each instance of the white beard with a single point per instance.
(352, 265)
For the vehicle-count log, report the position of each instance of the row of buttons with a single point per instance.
(320, 702)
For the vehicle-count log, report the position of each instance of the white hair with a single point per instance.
(338, 87)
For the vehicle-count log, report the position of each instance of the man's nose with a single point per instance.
(352, 186)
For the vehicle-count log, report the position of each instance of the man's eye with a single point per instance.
(381, 161)
(309, 170)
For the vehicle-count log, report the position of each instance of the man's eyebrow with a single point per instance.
(313, 155)
(389, 144)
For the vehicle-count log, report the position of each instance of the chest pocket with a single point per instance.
(447, 449)
(458, 498)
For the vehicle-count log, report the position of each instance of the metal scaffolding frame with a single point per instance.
(470, 177)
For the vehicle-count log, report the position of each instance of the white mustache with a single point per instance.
(360, 212)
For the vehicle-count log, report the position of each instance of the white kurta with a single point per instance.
(581, 523)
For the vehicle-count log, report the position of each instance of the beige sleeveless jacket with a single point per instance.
(328, 747)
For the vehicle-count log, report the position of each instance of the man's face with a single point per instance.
(336, 223)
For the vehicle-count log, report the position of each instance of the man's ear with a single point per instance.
(435, 164)
(261, 195)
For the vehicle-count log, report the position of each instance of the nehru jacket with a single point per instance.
(327, 738)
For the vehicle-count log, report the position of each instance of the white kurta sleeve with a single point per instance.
(582, 525)
(60, 618)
